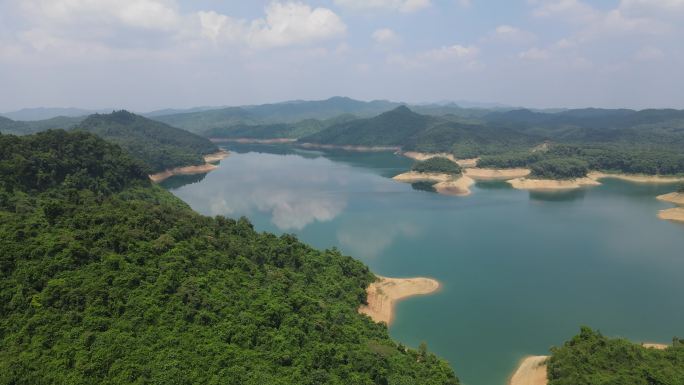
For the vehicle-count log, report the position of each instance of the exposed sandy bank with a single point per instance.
(650, 345)
(412, 177)
(350, 147)
(384, 293)
(636, 178)
(217, 156)
(191, 170)
(496, 174)
(458, 187)
(551, 184)
(445, 183)
(187, 170)
(253, 140)
(675, 214)
(421, 156)
(675, 197)
(531, 371)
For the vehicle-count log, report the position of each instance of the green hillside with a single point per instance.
(107, 279)
(157, 145)
(277, 130)
(277, 113)
(392, 128)
(590, 358)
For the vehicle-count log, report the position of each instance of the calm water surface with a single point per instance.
(520, 271)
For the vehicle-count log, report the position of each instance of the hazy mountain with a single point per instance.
(42, 113)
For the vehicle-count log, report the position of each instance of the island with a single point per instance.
(447, 176)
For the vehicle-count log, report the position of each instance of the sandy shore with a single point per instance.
(217, 156)
(675, 197)
(457, 187)
(253, 140)
(445, 184)
(551, 184)
(384, 293)
(191, 170)
(421, 156)
(650, 345)
(636, 178)
(675, 214)
(496, 174)
(531, 371)
(350, 147)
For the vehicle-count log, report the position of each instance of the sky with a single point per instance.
(150, 54)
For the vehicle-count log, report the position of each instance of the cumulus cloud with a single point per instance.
(464, 57)
(534, 54)
(392, 5)
(509, 34)
(385, 36)
(150, 23)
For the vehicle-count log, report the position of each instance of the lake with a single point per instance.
(521, 271)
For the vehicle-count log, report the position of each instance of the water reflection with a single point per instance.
(424, 186)
(293, 190)
(368, 237)
(558, 196)
(181, 180)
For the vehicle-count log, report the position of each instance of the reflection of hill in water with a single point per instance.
(558, 196)
(424, 186)
(178, 181)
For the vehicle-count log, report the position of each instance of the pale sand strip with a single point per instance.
(350, 147)
(252, 140)
(636, 178)
(551, 184)
(496, 174)
(191, 170)
(675, 197)
(445, 184)
(421, 156)
(531, 371)
(676, 214)
(650, 345)
(457, 187)
(384, 293)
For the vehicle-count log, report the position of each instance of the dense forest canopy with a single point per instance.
(437, 164)
(107, 279)
(276, 130)
(157, 145)
(590, 358)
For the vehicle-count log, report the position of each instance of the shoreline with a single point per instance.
(445, 184)
(552, 184)
(253, 140)
(208, 166)
(636, 178)
(675, 214)
(496, 173)
(675, 197)
(385, 293)
(350, 147)
(422, 156)
(531, 370)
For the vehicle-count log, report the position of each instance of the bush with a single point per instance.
(437, 165)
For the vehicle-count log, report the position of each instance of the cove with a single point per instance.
(520, 271)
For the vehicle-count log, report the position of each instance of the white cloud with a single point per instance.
(509, 34)
(392, 5)
(649, 54)
(294, 23)
(464, 57)
(534, 54)
(385, 36)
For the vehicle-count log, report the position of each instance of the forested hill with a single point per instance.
(395, 127)
(108, 279)
(277, 113)
(157, 145)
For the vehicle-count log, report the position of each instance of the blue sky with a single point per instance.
(147, 54)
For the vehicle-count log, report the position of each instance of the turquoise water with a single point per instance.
(520, 271)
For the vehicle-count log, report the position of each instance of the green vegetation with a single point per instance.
(437, 164)
(8, 126)
(591, 358)
(288, 112)
(156, 145)
(558, 145)
(277, 130)
(107, 279)
(428, 186)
